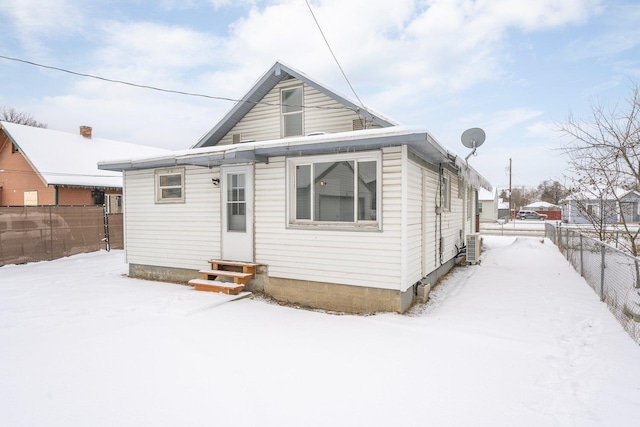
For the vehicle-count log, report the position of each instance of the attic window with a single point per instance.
(292, 111)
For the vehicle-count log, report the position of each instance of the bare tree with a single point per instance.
(10, 114)
(551, 191)
(604, 159)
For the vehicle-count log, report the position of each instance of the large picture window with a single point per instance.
(170, 185)
(339, 190)
(292, 112)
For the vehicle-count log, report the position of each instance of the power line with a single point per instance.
(332, 54)
(158, 89)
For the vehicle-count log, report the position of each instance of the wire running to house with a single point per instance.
(158, 89)
(332, 54)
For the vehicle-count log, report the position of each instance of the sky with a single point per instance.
(515, 68)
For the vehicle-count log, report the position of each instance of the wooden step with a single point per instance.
(215, 286)
(237, 276)
(246, 267)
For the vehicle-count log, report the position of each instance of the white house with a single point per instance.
(488, 205)
(342, 209)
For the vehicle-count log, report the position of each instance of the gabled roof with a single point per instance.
(541, 205)
(62, 158)
(420, 142)
(593, 194)
(277, 73)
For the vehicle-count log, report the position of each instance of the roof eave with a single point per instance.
(421, 144)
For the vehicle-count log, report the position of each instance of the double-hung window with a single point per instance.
(170, 185)
(446, 193)
(335, 190)
(292, 111)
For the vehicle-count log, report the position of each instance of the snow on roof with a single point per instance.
(486, 194)
(63, 158)
(421, 141)
(541, 205)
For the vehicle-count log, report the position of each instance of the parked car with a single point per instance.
(531, 215)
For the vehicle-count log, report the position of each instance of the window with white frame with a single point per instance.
(113, 203)
(342, 190)
(593, 210)
(446, 192)
(170, 185)
(292, 111)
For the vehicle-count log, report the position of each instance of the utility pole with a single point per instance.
(509, 188)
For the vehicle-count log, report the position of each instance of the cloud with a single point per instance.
(34, 22)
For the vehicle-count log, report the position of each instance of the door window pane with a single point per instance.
(236, 203)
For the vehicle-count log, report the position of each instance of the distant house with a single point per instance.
(46, 167)
(488, 205)
(343, 209)
(584, 208)
(553, 212)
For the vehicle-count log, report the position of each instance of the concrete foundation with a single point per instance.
(336, 297)
(318, 295)
(162, 274)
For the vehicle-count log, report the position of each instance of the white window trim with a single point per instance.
(363, 225)
(283, 114)
(446, 192)
(158, 189)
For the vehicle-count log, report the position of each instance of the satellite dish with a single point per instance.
(473, 138)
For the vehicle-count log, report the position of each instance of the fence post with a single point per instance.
(581, 258)
(602, 251)
(637, 274)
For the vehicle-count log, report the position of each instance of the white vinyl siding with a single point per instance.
(321, 114)
(334, 256)
(183, 235)
(413, 221)
(397, 255)
(430, 220)
(452, 222)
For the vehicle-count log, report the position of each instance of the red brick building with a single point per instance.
(47, 167)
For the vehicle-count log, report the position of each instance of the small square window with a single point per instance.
(170, 186)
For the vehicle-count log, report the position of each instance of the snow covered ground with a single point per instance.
(519, 340)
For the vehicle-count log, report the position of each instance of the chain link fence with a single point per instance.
(42, 233)
(611, 273)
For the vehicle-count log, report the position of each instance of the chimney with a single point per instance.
(85, 131)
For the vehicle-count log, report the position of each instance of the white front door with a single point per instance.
(237, 213)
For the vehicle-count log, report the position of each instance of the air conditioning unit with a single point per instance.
(473, 248)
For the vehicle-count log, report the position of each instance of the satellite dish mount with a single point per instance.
(473, 138)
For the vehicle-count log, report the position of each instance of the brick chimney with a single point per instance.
(85, 131)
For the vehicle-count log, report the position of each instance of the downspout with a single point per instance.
(55, 195)
(439, 216)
